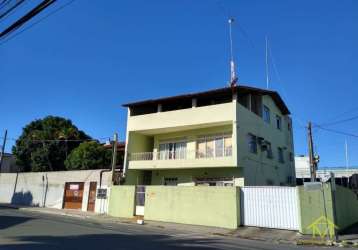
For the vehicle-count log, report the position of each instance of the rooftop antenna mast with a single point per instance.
(233, 78)
(346, 153)
(267, 65)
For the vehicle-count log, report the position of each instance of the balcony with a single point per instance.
(181, 159)
(184, 119)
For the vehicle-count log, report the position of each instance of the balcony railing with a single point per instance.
(179, 155)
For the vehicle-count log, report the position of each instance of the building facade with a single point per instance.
(342, 174)
(230, 136)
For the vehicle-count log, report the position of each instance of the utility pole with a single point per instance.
(313, 162)
(114, 156)
(3, 149)
(333, 193)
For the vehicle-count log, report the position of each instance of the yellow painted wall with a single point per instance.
(346, 207)
(258, 169)
(121, 201)
(188, 176)
(182, 118)
(207, 206)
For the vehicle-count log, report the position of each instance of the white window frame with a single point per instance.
(172, 154)
(214, 138)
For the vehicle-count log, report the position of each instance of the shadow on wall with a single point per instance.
(21, 198)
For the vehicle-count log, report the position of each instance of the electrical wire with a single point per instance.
(340, 121)
(60, 140)
(37, 22)
(336, 131)
(11, 9)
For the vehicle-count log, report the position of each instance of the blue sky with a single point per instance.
(86, 60)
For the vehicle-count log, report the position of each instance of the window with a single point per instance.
(290, 155)
(252, 143)
(214, 146)
(280, 155)
(171, 181)
(289, 126)
(269, 150)
(278, 122)
(172, 150)
(266, 114)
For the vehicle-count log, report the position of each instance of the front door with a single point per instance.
(73, 195)
(139, 200)
(92, 196)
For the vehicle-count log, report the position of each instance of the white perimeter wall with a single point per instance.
(47, 188)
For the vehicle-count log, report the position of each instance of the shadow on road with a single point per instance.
(10, 221)
(108, 242)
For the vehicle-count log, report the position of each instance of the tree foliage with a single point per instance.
(45, 144)
(88, 155)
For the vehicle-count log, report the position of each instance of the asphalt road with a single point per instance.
(30, 231)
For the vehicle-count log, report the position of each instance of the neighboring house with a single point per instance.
(9, 164)
(229, 136)
(342, 174)
(120, 151)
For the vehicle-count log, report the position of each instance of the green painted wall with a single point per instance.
(139, 143)
(134, 177)
(312, 206)
(346, 207)
(187, 176)
(258, 169)
(121, 201)
(207, 206)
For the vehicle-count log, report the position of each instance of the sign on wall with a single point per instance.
(102, 193)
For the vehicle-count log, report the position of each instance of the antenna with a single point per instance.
(267, 65)
(346, 151)
(233, 77)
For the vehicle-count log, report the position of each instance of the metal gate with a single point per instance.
(271, 207)
(139, 200)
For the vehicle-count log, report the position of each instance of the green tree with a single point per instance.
(88, 155)
(45, 143)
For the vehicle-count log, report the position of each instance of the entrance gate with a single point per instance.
(139, 200)
(271, 207)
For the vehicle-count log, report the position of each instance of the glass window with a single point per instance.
(280, 155)
(214, 146)
(291, 156)
(228, 146)
(201, 148)
(252, 143)
(171, 181)
(278, 122)
(172, 150)
(266, 114)
(209, 148)
(269, 150)
(219, 147)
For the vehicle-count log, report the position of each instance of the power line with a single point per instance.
(28, 16)
(340, 121)
(336, 131)
(9, 10)
(38, 21)
(60, 140)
